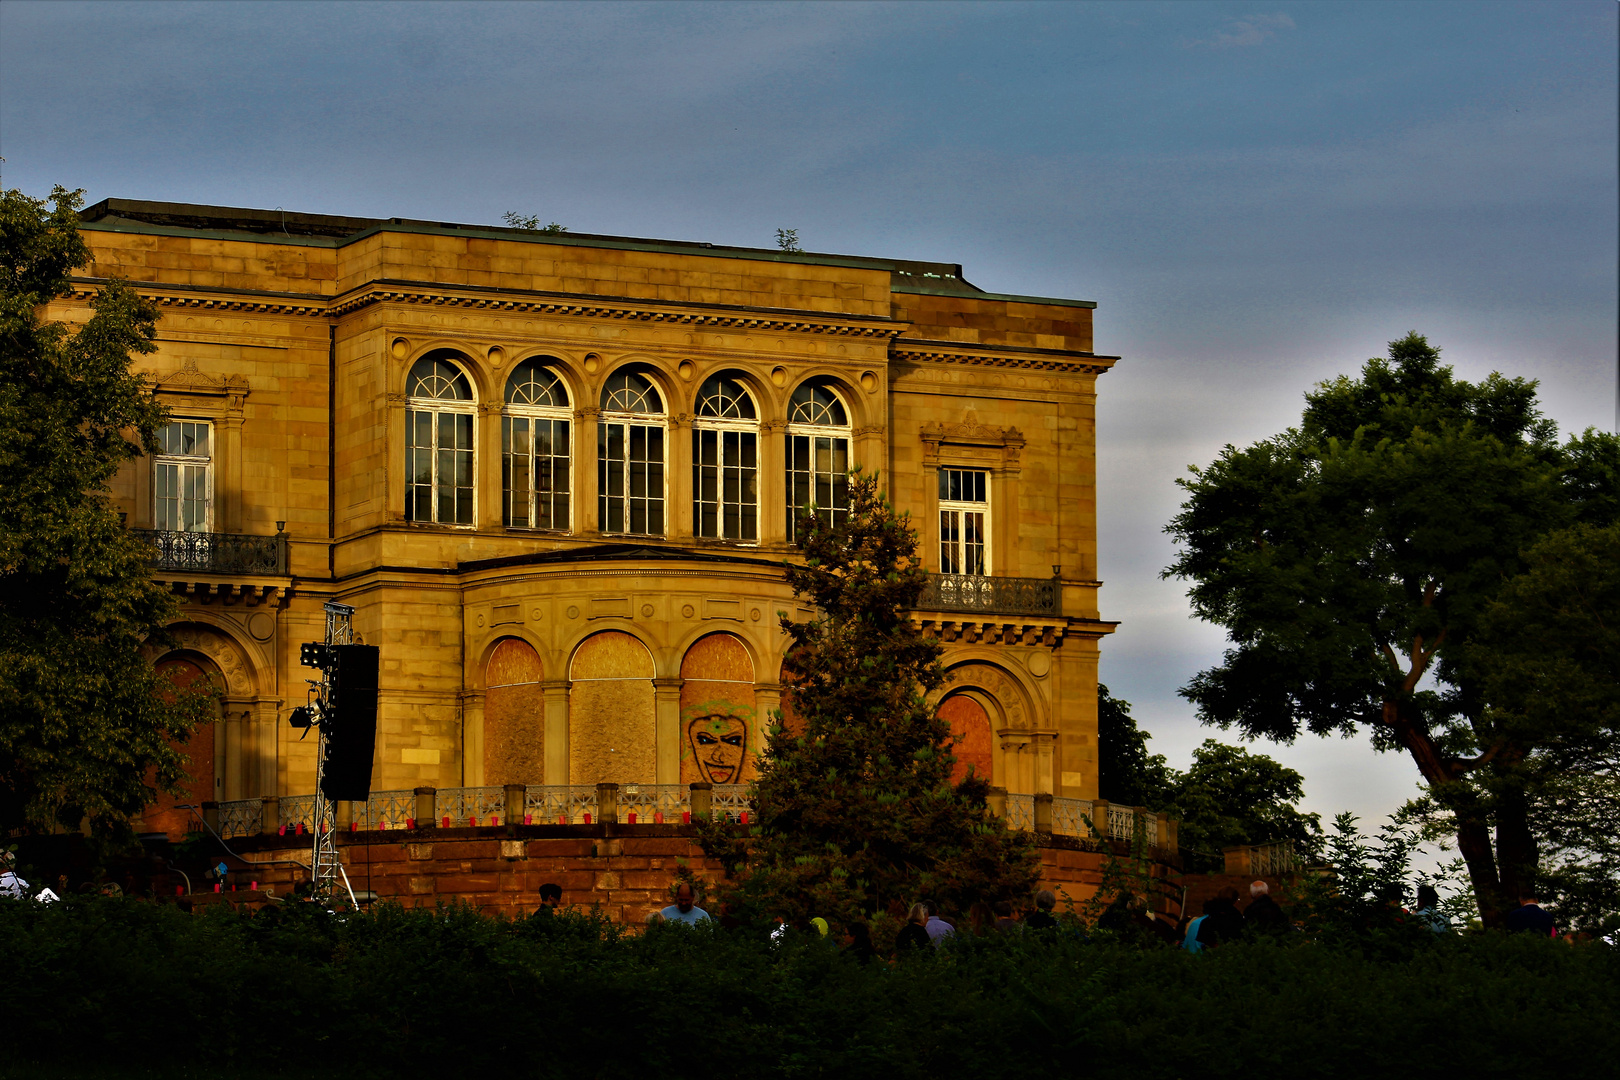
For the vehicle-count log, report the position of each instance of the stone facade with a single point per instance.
(324, 358)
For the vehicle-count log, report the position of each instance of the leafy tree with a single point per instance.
(1351, 560)
(1229, 797)
(1226, 798)
(1126, 772)
(532, 223)
(1549, 646)
(857, 814)
(83, 717)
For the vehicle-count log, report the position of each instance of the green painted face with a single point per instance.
(717, 743)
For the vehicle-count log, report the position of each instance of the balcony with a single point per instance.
(216, 553)
(990, 595)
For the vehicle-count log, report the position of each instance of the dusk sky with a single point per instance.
(1258, 197)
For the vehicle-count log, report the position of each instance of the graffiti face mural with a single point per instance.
(717, 745)
(717, 712)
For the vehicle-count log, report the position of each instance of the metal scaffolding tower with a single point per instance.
(327, 866)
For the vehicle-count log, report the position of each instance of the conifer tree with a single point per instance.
(857, 813)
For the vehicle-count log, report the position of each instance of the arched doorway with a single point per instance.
(202, 783)
(612, 731)
(717, 712)
(514, 715)
(970, 726)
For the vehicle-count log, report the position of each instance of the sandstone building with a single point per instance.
(554, 474)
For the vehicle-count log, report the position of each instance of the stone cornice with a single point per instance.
(912, 350)
(767, 320)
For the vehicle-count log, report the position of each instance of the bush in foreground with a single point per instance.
(120, 988)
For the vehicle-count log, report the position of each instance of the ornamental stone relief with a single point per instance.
(219, 648)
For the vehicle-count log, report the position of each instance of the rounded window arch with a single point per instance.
(631, 455)
(440, 416)
(818, 439)
(536, 448)
(725, 461)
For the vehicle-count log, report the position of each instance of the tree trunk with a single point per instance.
(1473, 833)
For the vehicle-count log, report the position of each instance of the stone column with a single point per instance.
(667, 718)
(262, 772)
(513, 810)
(233, 747)
(556, 721)
(487, 464)
(767, 700)
(997, 802)
(228, 478)
(1044, 744)
(1043, 812)
(1099, 817)
(701, 799)
(269, 815)
(773, 482)
(472, 738)
(342, 814)
(586, 521)
(427, 811)
(607, 804)
(678, 477)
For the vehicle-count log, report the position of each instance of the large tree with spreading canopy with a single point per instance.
(87, 729)
(1352, 560)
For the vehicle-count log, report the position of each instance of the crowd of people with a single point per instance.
(1129, 916)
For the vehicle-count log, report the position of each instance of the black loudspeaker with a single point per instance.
(350, 724)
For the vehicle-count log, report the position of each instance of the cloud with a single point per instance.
(1239, 33)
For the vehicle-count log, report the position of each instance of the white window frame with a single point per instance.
(181, 462)
(955, 552)
(813, 431)
(437, 407)
(719, 426)
(629, 419)
(563, 413)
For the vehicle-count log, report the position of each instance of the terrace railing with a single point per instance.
(576, 804)
(990, 595)
(216, 553)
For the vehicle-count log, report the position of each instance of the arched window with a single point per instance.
(439, 413)
(817, 454)
(535, 449)
(630, 456)
(725, 462)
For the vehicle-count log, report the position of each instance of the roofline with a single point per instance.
(334, 231)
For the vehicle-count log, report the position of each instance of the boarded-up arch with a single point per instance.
(612, 732)
(514, 715)
(183, 671)
(717, 712)
(970, 727)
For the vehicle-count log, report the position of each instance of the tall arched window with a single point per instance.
(725, 462)
(439, 413)
(630, 456)
(535, 449)
(817, 454)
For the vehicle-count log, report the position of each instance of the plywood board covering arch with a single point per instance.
(612, 729)
(514, 715)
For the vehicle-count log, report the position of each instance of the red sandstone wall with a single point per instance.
(626, 875)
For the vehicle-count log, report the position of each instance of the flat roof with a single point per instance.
(330, 230)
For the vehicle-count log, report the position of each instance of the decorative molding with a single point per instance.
(971, 433)
(584, 308)
(1034, 362)
(84, 291)
(188, 380)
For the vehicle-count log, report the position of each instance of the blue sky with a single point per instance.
(1259, 196)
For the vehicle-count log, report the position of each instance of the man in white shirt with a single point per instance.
(683, 910)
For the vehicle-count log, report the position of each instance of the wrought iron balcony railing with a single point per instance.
(216, 553)
(990, 595)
